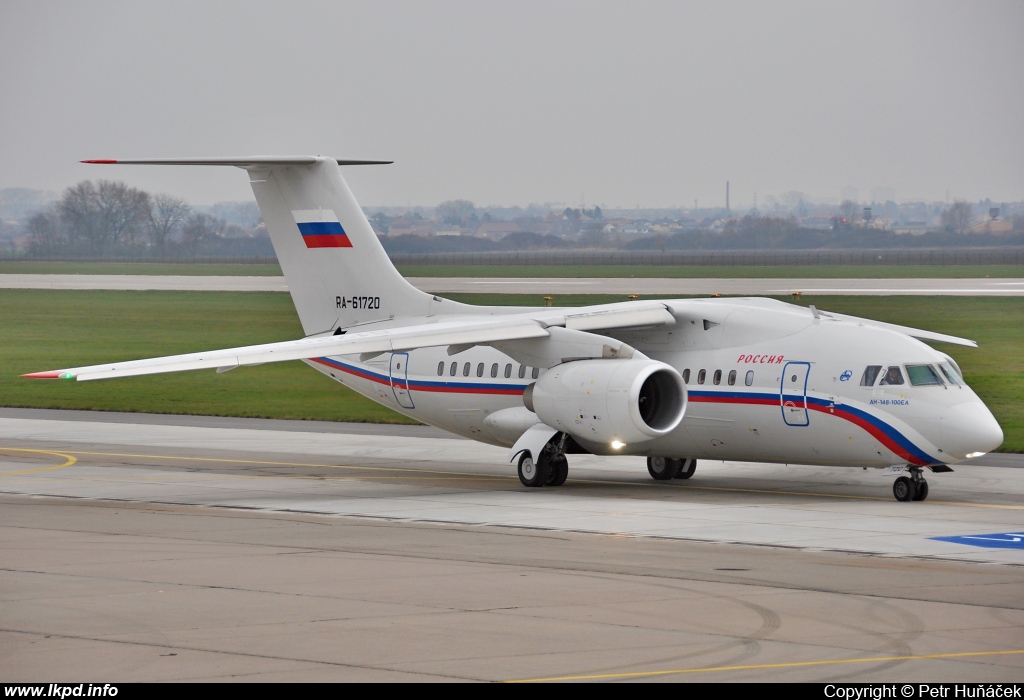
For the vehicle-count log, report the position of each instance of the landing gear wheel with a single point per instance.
(532, 473)
(688, 465)
(559, 471)
(904, 489)
(922, 490)
(662, 468)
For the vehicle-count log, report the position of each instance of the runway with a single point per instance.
(172, 548)
(548, 286)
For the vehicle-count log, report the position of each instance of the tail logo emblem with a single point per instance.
(320, 228)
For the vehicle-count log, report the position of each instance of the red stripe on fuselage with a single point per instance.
(413, 386)
(864, 425)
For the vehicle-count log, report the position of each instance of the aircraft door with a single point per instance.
(400, 379)
(793, 393)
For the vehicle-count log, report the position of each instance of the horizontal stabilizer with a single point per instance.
(247, 162)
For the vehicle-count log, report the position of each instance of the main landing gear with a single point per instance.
(912, 488)
(665, 468)
(552, 467)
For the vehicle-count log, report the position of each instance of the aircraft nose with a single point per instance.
(968, 428)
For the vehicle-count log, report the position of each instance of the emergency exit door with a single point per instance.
(793, 393)
(400, 379)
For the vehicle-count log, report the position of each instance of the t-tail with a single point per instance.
(337, 271)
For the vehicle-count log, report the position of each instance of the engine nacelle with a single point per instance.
(616, 402)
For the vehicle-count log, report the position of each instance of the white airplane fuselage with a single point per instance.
(673, 380)
(766, 381)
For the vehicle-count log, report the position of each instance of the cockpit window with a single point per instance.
(870, 375)
(892, 376)
(951, 374)
(923, 375)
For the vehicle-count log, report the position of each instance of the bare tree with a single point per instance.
(199, 229)
(104, 215)
(958, 217)
(45, 236)
(849, 211)
(166, 214)
(456, 212)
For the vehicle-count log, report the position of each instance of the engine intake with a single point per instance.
(608, 401)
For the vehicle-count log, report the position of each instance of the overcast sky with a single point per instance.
(621, 104)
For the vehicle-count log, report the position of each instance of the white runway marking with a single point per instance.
(463, 482)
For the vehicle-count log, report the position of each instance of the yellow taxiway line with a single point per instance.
(499, 477)
(69, 461)
(755, 667)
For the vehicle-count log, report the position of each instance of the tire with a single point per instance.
(922, 490)
(662, 468)
(531, 473)
(687, 466)
(903, 489)
(559, 471)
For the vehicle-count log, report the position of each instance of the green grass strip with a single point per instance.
(50, 329)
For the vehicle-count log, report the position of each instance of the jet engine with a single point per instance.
(615, 402)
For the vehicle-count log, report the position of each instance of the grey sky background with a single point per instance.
(623, 104)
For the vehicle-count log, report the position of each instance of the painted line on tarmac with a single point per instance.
(412, 473)
(755, 667)
(69, 461)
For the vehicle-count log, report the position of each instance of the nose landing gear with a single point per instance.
(913, 488)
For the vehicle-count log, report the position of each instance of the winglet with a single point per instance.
(53, 374)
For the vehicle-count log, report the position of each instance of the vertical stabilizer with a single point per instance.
(337, 271)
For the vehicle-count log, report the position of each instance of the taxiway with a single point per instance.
(172, 548)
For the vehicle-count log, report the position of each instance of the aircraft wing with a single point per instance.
(906, 330)
(453, 332)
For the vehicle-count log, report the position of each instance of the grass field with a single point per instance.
(48, 329)
(46, 267)
(673, 271)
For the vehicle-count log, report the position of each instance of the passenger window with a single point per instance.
(508, 370)
(465, 370)
(870, 375)
(732, 377)
(749, 379)
(536, 372)
(455, 368)
(494, 370)
(480, 370)
(718, 377)
(522, 371)
(440, 368)
(700, 376)
(686, 376)
(923, 375)
(892, 377)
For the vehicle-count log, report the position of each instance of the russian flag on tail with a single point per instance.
(320, 228)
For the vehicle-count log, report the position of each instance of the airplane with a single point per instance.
(675, 381)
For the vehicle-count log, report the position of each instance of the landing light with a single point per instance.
(975, 454)
(618, 444)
